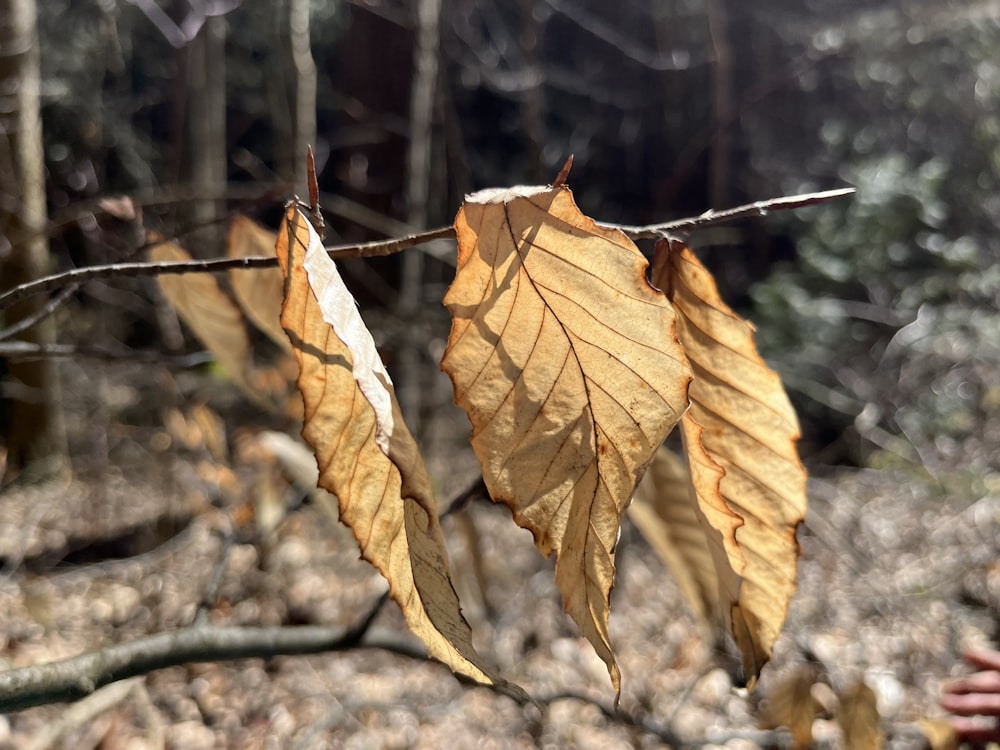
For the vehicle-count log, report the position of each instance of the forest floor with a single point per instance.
(171, 503)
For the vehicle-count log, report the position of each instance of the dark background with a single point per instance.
(879, 311)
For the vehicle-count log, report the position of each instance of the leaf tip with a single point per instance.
(563, 175)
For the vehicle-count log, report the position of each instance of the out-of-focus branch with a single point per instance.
(82, 713)
(72, 679)
(40, 314)
(28, 350)
(77, 677)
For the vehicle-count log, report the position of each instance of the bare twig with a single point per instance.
(26, 350)
(40, 314)
(211, 592)
(712, 217)
(79, 275)
(381, 248)
(80, 676)
(77, 677)
(82, 713)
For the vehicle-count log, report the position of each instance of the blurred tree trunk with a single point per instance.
(533, 99)
(723, 105)
(37, 434)
(425, 73)
(206, 131)
(305, 87)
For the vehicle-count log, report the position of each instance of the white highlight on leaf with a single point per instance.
(340, 311)
(506, 195)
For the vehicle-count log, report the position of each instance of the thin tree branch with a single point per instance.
(27, 350)
(375, 249)
(475, 491)
(75, 678)
(40, 314)
(381, 248)
(82, 713)
(713, 217)
(211, 592)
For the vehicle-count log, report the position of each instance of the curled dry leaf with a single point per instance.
(258, 290)
(566, 362)
(747, 427)
(365, 453)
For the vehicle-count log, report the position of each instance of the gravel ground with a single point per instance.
(897, 575)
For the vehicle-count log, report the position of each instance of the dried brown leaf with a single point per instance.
(566, 362)
(665, 510)
(258, 290)
(940, 734)
(209, 312)
(859, 719)
(213, 427)
(750, 430)
(791, 704)
(365, 453)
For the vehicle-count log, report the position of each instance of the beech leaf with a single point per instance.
(258, 290)
(666, 512)
(747, 427)
(566, 362)
(365, 453)
(209, 312)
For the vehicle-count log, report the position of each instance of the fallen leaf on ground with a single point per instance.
(859, 719)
